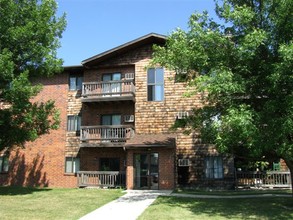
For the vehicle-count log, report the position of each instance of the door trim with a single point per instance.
(151, 178)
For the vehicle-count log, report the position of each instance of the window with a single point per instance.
(4, 164)
(73, 122)
(111, 77)
(109, 164)
(214, 167)
(155, 84)
(72, 164)
(75, 82)
(111, 120)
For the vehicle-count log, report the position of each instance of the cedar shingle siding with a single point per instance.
(42, 163)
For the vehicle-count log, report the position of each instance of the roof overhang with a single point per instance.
(151, 141)
(151, 38)
(73, 68)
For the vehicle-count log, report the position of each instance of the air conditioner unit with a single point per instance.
(128, 118)
(183, 162)
(129, 75)
(182, 115)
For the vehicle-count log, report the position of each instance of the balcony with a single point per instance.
(119, 90)
(105, 135)
(101, 178)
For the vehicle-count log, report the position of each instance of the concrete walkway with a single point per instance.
(134, 202)
(127, 207)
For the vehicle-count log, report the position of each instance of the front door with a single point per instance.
(146, 171)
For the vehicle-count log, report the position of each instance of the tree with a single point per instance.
(30, 33)
(243, 68)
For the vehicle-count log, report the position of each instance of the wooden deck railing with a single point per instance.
(107, 133)
(263, 179)
(101, 178)
(108, 88)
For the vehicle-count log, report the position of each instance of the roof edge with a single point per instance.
(155, 35)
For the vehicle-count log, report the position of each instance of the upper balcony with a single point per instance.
(118, 90)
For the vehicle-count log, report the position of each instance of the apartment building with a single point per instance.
(116, 113)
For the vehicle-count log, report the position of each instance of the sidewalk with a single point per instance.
(133, 204)
(127, 207)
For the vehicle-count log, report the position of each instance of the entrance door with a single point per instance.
(146, 171)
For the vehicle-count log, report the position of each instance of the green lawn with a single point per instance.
(235, 192)
(273, 208)
(44, 203)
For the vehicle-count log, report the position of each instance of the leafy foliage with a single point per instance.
(30, 34)
(244, 69)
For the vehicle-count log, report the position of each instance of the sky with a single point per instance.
(95, 26)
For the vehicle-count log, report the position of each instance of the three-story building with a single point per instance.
(116, 113)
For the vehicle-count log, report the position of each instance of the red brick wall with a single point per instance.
(42, 162)
(91, 114)
(95, 75)
(166, 167)
(90, 157)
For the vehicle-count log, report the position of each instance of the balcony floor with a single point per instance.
(107, 98)
(101, 144)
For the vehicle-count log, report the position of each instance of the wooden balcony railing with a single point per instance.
(101, 178)
(264, 179)
(106, 133)
(122, 89)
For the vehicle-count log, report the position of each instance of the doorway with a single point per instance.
(146, 171)
(112, 88)
(110, 133)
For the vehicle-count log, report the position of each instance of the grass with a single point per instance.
(235, 192)
(273, 208)
(44, 203)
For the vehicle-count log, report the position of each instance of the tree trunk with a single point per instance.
(290, 166)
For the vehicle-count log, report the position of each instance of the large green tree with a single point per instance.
(243, 67)
(29, 38)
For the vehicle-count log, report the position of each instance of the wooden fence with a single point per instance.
(101, 178)
(263, 179)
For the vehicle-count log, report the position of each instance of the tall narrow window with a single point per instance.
(73, 122)
(4, 164)
(155, 84)
(75, 82)
(72, 164)
(214, 167)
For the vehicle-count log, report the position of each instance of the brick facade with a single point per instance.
(43, 161)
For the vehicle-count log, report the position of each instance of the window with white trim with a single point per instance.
(155, 84)
(214, 167)
(73, 122)
(72, 164)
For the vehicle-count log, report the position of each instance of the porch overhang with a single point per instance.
(140, 141)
